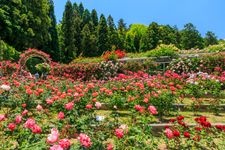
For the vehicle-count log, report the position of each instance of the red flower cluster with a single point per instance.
(203, 121)
(112, 55)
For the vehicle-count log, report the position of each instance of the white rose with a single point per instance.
(5, 87)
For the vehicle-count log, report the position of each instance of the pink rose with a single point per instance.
(61, 115)
(39, 107)
(98, 105)
(152, 110)
(53, 137)
(29, 123)
(64, 143)
(2, 117)
(110, 146)
(18, 119)
(24, 112)
(169, 133)
(56, 147)
(119, 133)
(11, 126)
(84, 140)
(36, 129)
(69, 106)
(88, 106)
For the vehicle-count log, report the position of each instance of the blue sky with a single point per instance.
(206, 15)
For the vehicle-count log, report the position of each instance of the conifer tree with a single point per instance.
(102, 41)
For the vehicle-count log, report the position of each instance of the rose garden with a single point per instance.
(113, 103)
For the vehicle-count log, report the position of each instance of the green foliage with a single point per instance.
(102, 33)
(164, 50)
(43, 68)
(190, 37)
(210, 39)
(112, 33)
(134, 36)
(53, 44)
(7, 52)
(152, 36)
(216, 48)
(31, 64)
(68, 32)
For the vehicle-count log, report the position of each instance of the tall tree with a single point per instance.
(102, 31)
(94, 17)
(122, 29)
(39, 23)
(152, 36)
(112, 33)
(81, 9)
(190, 37)
(68, 31)
(88, 42)
(136, 32)
(53, 44)
(11, 30)
(168, 35)
(86, 17)
(210, 39)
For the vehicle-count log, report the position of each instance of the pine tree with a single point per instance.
(68, 31)
(14, 23)
(94, 17)
(210, 39)
(53, 43)
(102, 41)
(112, 33)
(152, 36)
(86, 17)
(190, 37)
(39, 23)
(122, 29)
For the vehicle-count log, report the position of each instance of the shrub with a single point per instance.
(147, 65)
(164, 50)
(43, 68)
(113, 55)
(107, 69)
(75, 71)
(7, 68)
(7, 52)
(206, 63)
(216, 48)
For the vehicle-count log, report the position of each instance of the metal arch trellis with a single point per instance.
(29, 54)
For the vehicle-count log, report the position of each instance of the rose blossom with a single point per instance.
(39, 107)
(5, 87)
(152, 110)
(169, 133)
(56, 147)
(2, 117)
(29, 123)
(84, 140)
(11, 126)
(98, 105)
(187, 134)
(53, 137)
(61, 115)
(110, 146)
(69, 106)
(18, 119)
(64, 143)
(88, 106)
(119, 133)
(24, 112)
(36, 129)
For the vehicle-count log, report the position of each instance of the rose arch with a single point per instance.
(32, 53)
